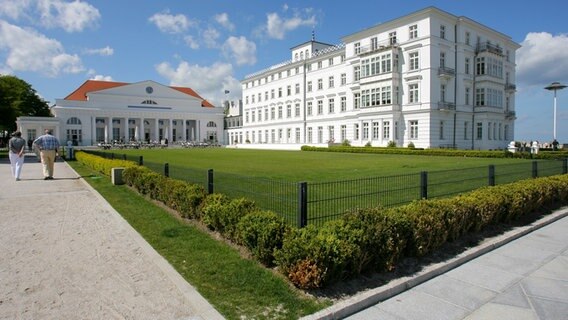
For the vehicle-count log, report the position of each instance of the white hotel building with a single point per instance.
(430, 78)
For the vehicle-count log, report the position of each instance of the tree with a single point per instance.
(18, 98)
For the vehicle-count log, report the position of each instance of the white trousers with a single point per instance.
(16, 163)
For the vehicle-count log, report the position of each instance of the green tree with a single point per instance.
(18, 98)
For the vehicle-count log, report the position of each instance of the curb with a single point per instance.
(371, 297)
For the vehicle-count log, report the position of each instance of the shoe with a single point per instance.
(50, 178)
(17, 179)
(46, 178)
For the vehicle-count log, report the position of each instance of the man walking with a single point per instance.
(48, 149)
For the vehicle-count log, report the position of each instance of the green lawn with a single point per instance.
(336, 181)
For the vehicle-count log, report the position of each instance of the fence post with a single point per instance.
(565, 166)
(534, 169)
(424, 185)
(491, 175)
(166, 169)
(141, 161)
(210, 188)
(112, 155)
(302, 204)
(124, 156)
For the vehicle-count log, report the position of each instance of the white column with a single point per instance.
(198, 130)
(170, 130)
(141, 131)
(156, 130)
(93, 130)
(108, 130)
(125, 134)
(184, 135)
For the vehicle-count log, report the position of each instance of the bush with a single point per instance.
(391, 144)
(345, 143)
(262, 232)
(223, 216)
(411, 145)
(102, 165)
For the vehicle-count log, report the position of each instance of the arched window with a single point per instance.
(149, 102)
(211, 124)
(73, 120)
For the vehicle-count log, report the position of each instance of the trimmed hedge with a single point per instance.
(102, 165)
(376, 239)
(262, 232)
(441, 152)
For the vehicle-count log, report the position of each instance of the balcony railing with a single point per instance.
(381, 46)
(445, 71)
(443, 105)
(510, 114)
(488, 47)
(510, 87)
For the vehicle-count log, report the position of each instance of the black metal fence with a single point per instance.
(302, 203)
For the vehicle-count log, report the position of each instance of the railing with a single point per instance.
(306, 203)
(443, 105)
(488, 47)
(380, 46)
(510, 114)
(445, 71)
(510, 87)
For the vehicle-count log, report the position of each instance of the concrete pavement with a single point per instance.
(65, 253)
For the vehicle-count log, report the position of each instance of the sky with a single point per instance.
(210, 46)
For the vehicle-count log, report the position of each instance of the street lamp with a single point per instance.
(555, 86)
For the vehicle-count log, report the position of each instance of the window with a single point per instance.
(266, 114)
(310, 134)
(465, 130)
(309, 107)
(442, 59)
(149, 102)
(506, 132)
(266, 95)
(443, 31)
(365, 131)
(489, 126)
(343, 104)
(467, 63)
(272, 113)
(330, 61)
(309, 86)
(288, 72)
(247, 100)
(279, 112)
(331, 105)
(288, 111)
(386, 130)
(320, 134)
(374, 44)
(297, 110)
(356, 100)
(297, 135)
(320, 106)
(331, 82)
(442, 130)
(320, 64)
(253, 113)
(467, 38)
(413, 61)
(356, 131)
(331, 133)
(252, 96)
(73, 120)
(296, 56)
(76, 136)
(343, 132)
(320, 84)
(289, 90)
(443, 92)
(343, 79)
(356, 73)
(279, 92)
(392, 37)
(467, 93)
(297, 88)
(375, 130)
(246, 117)
(413, 31)
(413, 125)
(272, 94)
(479, 130)
(413, 93)
(357, 47)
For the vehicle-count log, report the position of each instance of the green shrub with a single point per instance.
(262, 232)
(391, 144)
(224, 216)
(102, 165)
(411, 145)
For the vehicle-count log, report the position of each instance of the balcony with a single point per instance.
(381, 46)
(488, 47)
(510, 87)
(510, 114)
(446, 106)
(446, 72)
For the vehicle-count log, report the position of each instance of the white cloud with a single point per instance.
(208, 81)
(210, 37)
(276, 27)
(240, 49)
(71, 16)
(106, 51)
(168, 23)
(223, 19)
(14, 9)
(30, 51)
(542, 59)
(191, 42)
(102, 78)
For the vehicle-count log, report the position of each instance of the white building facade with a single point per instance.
(106, 112)
(429, 78)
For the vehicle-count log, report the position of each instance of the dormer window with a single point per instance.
(149, 102)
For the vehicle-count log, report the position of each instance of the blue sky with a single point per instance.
(210, 46)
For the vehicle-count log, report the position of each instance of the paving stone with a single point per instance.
(484, 276)
(417, 305)
(546, 288)
(502, 312)
(555, 269)
(550, 310)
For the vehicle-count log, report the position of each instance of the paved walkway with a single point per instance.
(65, 253)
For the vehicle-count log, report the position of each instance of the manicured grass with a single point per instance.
(295, 166)
(238, 288)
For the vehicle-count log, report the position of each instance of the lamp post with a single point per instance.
(555, 86)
